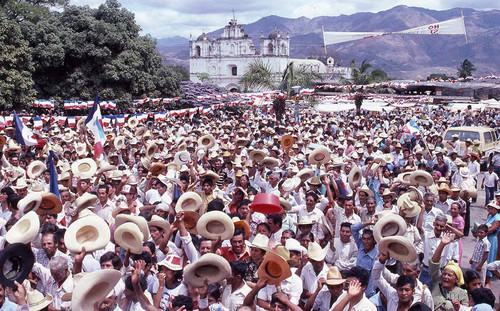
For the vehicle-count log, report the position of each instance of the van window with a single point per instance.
(463, 135)
(488, 138)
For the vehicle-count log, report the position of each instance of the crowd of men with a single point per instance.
(236, 211)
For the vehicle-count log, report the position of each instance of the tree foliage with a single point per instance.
(363, 75)
(438, 76)
(80, 52)
(297, 76)
(466, 69)
(258, 76)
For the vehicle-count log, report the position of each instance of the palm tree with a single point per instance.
(466, 69)
(258, 76)
(361, 75)
(298, 76)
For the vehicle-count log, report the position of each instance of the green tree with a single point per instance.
(293, 76)
(439, 76)
(182, 71)
(204, 77)
(16, 83)
(466, 69)
(34, 10)
(362, 75)
(258, 76)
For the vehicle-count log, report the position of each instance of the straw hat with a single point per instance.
(290, 184)
(315, 251)
(190, 221)
(132, 122)
(31, 202)
(243, 225)
(90, 232)
(141, 223)
(404, 178)
(84, 168)
(274, 269)
(304, 221)
(157, 168)
(35, 169)
(444, 188)
(409, 207)
(389, 225)
(257, 155)
(215, 224)
(377, 162)
(471, 193)
(189, 201)
(319, 156)
(259, 241)
(105, 167)
(388, 192)
(129, 237)
(151, 150)
(355, 177)
(211, 175)
(305, 174)
(285, 204)
(209, 269)
(37, 301)
(366, 190)
(294, 245)
(182, 158)
(464, 172)
(270, 162)
(50, 204)
(93, 287)
(206, 141)
(398, 247)
(20, 184)
(24, 230)
(157, 221)
(314, 181)
(287, 142)
(421, 178)
(84, 201)
(119, 142)
(22, 255)
(333, 277)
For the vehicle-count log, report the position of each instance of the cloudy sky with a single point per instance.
(163, 18)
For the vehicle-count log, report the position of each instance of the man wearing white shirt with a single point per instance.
(425, 221)
(354, 298)
(345, 253)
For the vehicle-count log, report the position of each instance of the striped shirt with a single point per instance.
(482, 246)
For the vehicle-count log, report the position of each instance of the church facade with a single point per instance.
(225, 60)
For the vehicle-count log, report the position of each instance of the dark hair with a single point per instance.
(305, 234)
(59, 234)
(470, 275)
(244, 202)
(483, 228)
(265, 224)
(419, 306)
(239, 231)
(48, 227)
(208, 181)
(345, 225)
(114, 258)
(238, 268)
(148, 259)
(12, 201)
(105, 187)
(369, 232)
(215, 205)
(403, 280)
(184, 177)
(143, 284)
(313, 195)
(276, 218)
(214, 291)
(291, 232)
(8, 191)
(359, 273)
(185, 301)
(483, 295)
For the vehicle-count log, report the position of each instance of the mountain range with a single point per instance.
(402, 56)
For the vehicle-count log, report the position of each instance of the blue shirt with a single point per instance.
(365, 260)
(8, 305)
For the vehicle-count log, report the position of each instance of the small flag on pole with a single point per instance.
(95, 125)
(24, 136)
(53, 186)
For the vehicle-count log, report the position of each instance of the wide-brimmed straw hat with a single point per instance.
(206, 141)
(190, 221)
(315, 251)
(84, 168)
(35, 169)
(215, 224)
(157, 221)
(305, 174)
(24, 230)
(50, 204)
(157, 168)
(119, 142)
(209, 269)
(129, 237)
(389, 225)
(141, 223)
(93, 287)
(182, 158)
(274, 269)
(37, 301)
(421, 178)
(31, 202)
(189, 201)
(270, 162)
(319, 156)
(91, 233)
(287, 142)
(398, 247)
(334, 277)
(259, 241)
(355, 177)
(257, 155)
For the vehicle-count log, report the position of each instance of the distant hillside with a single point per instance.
(402, 56)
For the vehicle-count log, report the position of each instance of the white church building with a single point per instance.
(226, 59)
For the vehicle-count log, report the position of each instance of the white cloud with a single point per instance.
(181, 18)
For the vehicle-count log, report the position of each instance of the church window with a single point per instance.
(234, 71)
(198, 51)
(270, 48)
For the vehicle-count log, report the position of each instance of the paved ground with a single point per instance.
(479, 214)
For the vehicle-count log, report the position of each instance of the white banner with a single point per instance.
(454, 26)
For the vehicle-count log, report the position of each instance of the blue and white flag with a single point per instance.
(53, 186)
(24, 136)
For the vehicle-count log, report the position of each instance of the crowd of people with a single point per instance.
(236, 211)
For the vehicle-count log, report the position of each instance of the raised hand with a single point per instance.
(354, 288)
(447, 238)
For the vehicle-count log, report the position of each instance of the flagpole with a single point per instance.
(463, 24)
(323, 32)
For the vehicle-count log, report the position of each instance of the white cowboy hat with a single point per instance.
(84, 201)
(31, 202)
(390, 193)
(119, 142)
(398, 247)
(377, 162)
(290, 184)
(206, 141)
(259, 241)
(366, 190)
(319, 156)
(93, 288)
(211, 175)
(132, 122)
(305, 174)
(389, 225)
(90, 232)
(151, 150)
(210, 269)
(404, 178)
(274, 269)
(189, 201)
(141, 223)
(20, 184)
(415, 194)
(257, 155)
(182, 158)
(315, 251)
(355, 177)
(464, 172)
(105, 167)
(285, 204)
(35, 169)
(215, 224)
(421, 178)
(294, 245)
(24, 230)
(409, 207)
(129, 237)
(37, 301)
(84, 168)
(157, 221)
